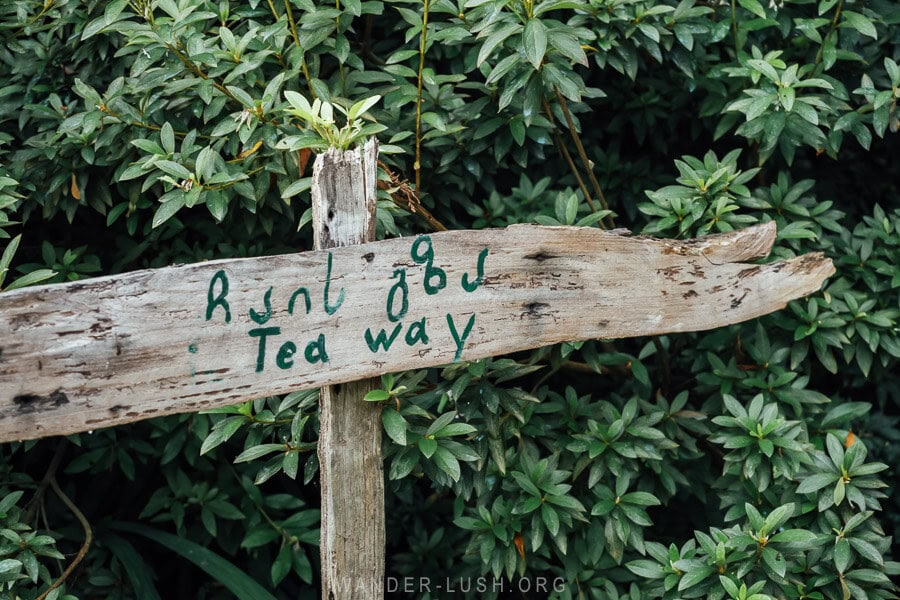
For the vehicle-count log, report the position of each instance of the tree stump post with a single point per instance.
(350, 464)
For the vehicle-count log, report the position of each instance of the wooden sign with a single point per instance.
(116, 349)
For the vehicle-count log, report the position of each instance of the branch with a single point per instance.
(32, 506)
(583, 155)
(663, 356)
(406, 198)
(417, 166)
(293, 25)
(88, 538)
(565, 152)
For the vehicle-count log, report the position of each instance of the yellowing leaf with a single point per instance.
(73, 189)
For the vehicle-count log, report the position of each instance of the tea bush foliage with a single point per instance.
(744, 463)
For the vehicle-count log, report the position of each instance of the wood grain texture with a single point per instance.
(350, 464)
(117, 349)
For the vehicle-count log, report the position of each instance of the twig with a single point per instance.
(366, 44)
(303, 67)
(47, 6)
(734, 31)
(407, 198)
(544, 379)
(580, 367)
(583, 155)
(32, 506)
(834, 22)
(105, 110)
(417, 166)
(196, 70)
(663, 356)
(565, 152)
(272, 8)
(88, 538)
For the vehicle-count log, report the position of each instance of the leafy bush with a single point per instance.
(747, 462)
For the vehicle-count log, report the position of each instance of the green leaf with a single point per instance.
(794, 536)
(455, 429)
(571, 209)
(174, 169)
(441, 422)
(753, 6)
(205, 164)
(395, 425)
(149, 146)
(282, 565)
(403, 463)
(860, 23)
(816, 482)
(835, 450)
(7, 565)
(534, 40)
(427, 446)
(6, 258)
(495, 39)
(9, 501)
(867, 551)
(729, 587)
(641, 499)
(845, 413)
(775, 561)
(567, 45)
(646, 569)
(298, 187)
(222, 571)
(167, 137)
(255, 452)
(565, 502)
(167, 210)
(361, 107)
(786, 96)
(31, 279)
(842, 555)
(446, 462)
(217, 203)
(826, 5)
(695, 576)
(377, 396)
(222, 431)
(550, 518)
(764, 68)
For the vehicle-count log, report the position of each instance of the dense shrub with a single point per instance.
(747, 462)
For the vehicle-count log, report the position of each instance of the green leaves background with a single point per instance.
(745, 462)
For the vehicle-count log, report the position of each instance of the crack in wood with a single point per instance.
(743, 273)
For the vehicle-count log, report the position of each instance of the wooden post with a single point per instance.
(350, 466)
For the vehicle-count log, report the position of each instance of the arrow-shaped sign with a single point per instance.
(116, 349)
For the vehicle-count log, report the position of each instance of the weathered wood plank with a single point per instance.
(117, 349)
(350, 464)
